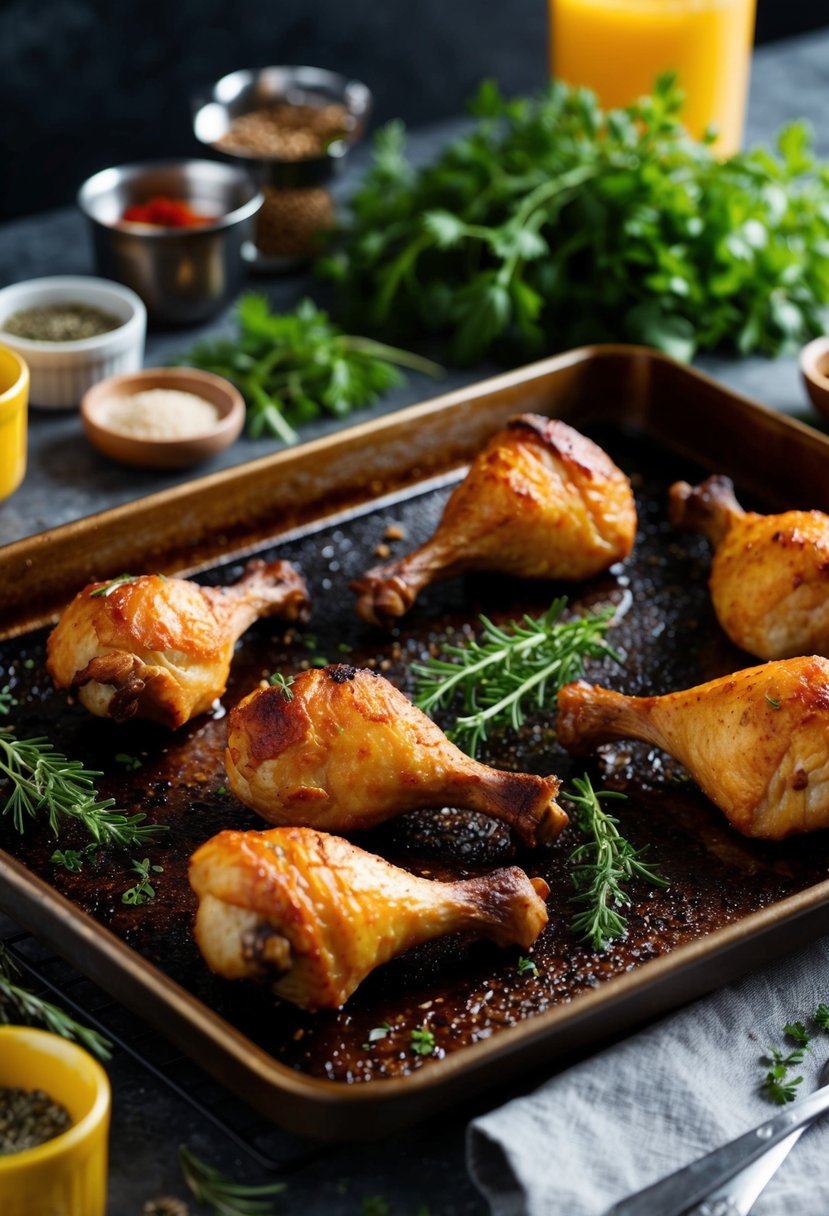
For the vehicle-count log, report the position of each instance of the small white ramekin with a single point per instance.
(61, 372)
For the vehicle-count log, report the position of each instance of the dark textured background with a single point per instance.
(89, 83)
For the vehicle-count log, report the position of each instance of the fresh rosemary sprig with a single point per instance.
(113, 585)
(17, 1000)
(221, 1194)
(601, 867)
(510, 669)
(43, 780)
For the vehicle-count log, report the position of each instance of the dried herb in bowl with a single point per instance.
(29, 1117)
(64, 322)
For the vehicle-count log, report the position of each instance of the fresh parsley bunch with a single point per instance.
(553, 223)
(294, 366)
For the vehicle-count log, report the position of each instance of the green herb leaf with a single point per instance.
(511, 670)
(71, 859)
(526, 966)
(423, 1041)
(223, 1195)
(821, 1016)
(277, 680)
(42, 780)
(295, 366)
(132, 763)
(602, 866)
(143, 891)
(19, 1004)
(552, 223)
(7, 700)
(775, 704)
(797, 1032)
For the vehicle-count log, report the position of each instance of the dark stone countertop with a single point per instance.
(67, 479)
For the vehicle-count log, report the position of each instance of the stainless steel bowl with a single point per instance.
(243, 91)
(183, 275)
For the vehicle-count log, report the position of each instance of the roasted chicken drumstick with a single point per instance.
(541, 501)
(160, 648)
(342, 750)
(756, 742)
(769, 574)
(312, 915)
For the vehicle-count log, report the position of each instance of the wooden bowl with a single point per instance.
(163, 453)
(814, 367)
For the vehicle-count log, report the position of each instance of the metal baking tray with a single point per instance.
(733, 903)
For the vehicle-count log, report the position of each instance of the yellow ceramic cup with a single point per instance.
(14, 399)
(66, 1176)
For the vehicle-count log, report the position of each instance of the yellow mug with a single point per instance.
(65, 1176)
(14, 399)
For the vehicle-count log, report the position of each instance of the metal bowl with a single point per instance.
(244, 91)
(183, 275)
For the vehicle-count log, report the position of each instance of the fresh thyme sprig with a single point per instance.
(220, 1193)
(601, 867)
(44, 781)
(143, 891)
(17, 1000)
(7, 699)
(511, 669)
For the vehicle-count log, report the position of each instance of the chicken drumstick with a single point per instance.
(342, 750)
(756, 742)
(312, 915)
(541, 501)
(160, 648)
(769, 574)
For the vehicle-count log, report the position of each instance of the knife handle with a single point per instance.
(689, 1186)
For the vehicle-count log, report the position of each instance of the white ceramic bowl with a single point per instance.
(61, 372)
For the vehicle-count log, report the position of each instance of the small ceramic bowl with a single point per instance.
(61, 372)
(14, 398)
(814, 367)
(67, 1174)
(183, 275)
(163, 453)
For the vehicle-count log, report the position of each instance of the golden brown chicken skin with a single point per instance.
(343, 750)
(769, 574)
(313, 915)
(541, 501)
(756, 742)
(160, 648)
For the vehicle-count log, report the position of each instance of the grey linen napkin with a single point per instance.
(617, 1122)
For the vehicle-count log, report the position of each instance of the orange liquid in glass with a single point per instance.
(617, 48)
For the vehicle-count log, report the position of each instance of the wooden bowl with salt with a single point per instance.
(162, 417)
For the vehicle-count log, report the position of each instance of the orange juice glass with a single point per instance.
(617, 48)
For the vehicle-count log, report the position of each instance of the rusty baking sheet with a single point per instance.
(732, 903)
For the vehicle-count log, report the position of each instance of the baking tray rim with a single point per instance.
(438, 1073)
(163, 992)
